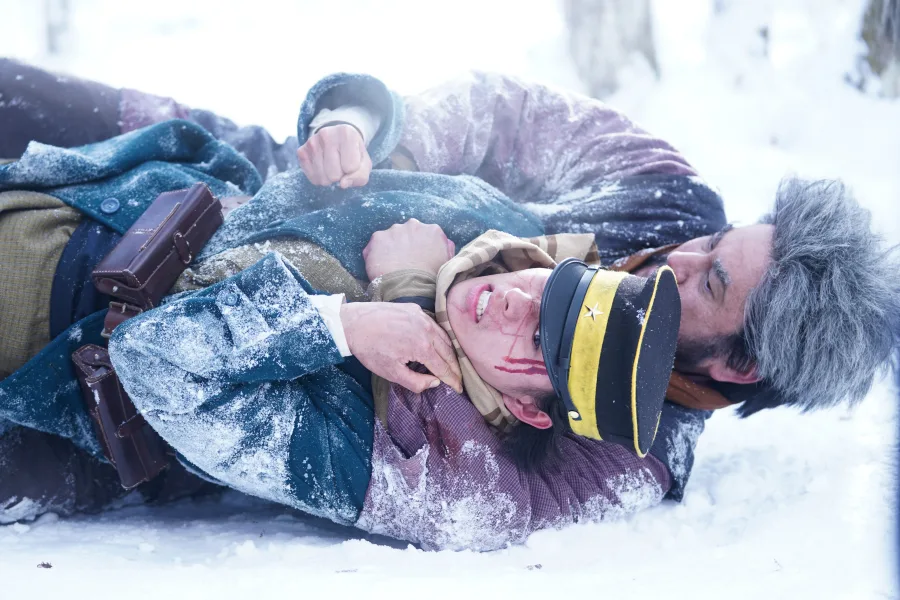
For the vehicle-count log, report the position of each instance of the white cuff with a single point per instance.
(329, 308)
(361, 117)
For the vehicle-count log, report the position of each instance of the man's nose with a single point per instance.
(685, 264)
(518, 304)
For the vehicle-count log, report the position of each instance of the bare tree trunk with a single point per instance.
(57, 19)
(605, 35)
(881, 33)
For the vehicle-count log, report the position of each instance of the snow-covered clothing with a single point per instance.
(262, 368)
(245, 381)
(110, 183)
(576, 163)
(134, 168)
(437, 474)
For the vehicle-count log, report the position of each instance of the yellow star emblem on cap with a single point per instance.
(592, 311)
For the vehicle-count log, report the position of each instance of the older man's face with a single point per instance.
(715, 275)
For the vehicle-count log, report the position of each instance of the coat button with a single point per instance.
(109, 206)
(230, 299)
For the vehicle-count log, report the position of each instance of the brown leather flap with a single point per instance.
(156, 249)
(685, 392)
(135, 449)
(91, 360)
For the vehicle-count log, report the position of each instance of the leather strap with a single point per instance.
(118, 313)
(131, 426)
(632, 263)
(183, 248)
(688, 393)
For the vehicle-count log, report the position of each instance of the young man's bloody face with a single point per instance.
(495, 319)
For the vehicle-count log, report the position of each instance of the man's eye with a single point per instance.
(708, 286)
(537, 338)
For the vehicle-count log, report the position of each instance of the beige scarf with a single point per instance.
(497, 252)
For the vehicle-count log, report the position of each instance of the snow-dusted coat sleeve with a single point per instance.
(348, 89)
(240, 379)
(530, 141)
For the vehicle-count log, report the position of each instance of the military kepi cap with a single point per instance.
(608, 340)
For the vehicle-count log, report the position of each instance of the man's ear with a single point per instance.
(525, 409)
(720, 371)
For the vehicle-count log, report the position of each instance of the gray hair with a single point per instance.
(824, 318)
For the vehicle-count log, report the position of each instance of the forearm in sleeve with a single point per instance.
(530, 141)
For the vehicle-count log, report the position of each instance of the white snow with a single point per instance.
(781, 505)
(17, 509)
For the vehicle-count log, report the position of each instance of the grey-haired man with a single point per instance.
(797, 309)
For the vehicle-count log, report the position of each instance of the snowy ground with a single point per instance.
(780, 506)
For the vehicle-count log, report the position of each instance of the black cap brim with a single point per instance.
(654, 354)
(555, 303)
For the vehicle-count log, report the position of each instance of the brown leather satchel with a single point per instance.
(133, 447)
(144, 265)
(139, 271)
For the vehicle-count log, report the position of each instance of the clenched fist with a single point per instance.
(336, 154)
(412, 245)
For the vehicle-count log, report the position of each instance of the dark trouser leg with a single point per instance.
(52, 109)
(41, 473)
(268, 156)
(139, 109)
(67, 111)
(175, 483)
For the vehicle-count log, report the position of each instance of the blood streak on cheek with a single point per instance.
(522, 361)
(535, 367)
(525, 371)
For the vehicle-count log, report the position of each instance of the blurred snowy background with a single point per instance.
(779, 506)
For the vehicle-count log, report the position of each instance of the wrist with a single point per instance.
(359, 117)
(407, 266)
(403, 283)
(346, 316)
(336, 123)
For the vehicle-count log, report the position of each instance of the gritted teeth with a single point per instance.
(483, 300)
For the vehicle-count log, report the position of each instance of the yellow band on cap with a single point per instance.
(586, 345)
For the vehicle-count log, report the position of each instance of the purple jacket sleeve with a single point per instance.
(530, 141)
(440, 478)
